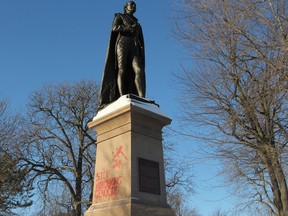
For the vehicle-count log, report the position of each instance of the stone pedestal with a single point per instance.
(129, 174)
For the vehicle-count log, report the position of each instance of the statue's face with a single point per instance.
(130, 8)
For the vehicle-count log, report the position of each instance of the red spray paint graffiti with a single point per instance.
(106, 184)
(117, 162)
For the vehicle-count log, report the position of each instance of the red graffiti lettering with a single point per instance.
(100, 176)
(107, 188)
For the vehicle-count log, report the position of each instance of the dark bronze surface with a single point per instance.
(124, 70)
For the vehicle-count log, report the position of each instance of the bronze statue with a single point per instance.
(124, 70)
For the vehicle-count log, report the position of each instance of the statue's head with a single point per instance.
(130, 7)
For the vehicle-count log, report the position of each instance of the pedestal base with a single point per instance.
(128, 207)
(129, 174)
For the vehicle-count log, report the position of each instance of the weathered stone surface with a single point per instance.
(126, 131)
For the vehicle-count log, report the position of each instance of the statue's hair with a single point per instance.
(125, 6)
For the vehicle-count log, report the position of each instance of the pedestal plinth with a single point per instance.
(129, 174)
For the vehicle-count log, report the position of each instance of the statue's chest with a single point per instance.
(128, 21)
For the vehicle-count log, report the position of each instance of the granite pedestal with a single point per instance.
(129, 174)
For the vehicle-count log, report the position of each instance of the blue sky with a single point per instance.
(43, 41)
(54, 41)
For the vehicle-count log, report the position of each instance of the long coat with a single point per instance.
(109, 89)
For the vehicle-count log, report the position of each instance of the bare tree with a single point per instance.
(177, 172)
(218, 212)
(8, 126)
(239, 88)
(14, 190)
(57, 205)
(178, 201)
(179, 179)
(57, 145)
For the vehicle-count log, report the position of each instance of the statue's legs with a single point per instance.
(138, 76)
(120, 81)
(122, 58)
(128, 56)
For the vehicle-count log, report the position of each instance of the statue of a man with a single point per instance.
(124, 71)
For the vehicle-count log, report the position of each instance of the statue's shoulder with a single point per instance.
(119, 15)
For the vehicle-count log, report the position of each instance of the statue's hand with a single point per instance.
(133, 28)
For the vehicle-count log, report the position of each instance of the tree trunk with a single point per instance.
(282, 186)
(277, 178)
(77, 201)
